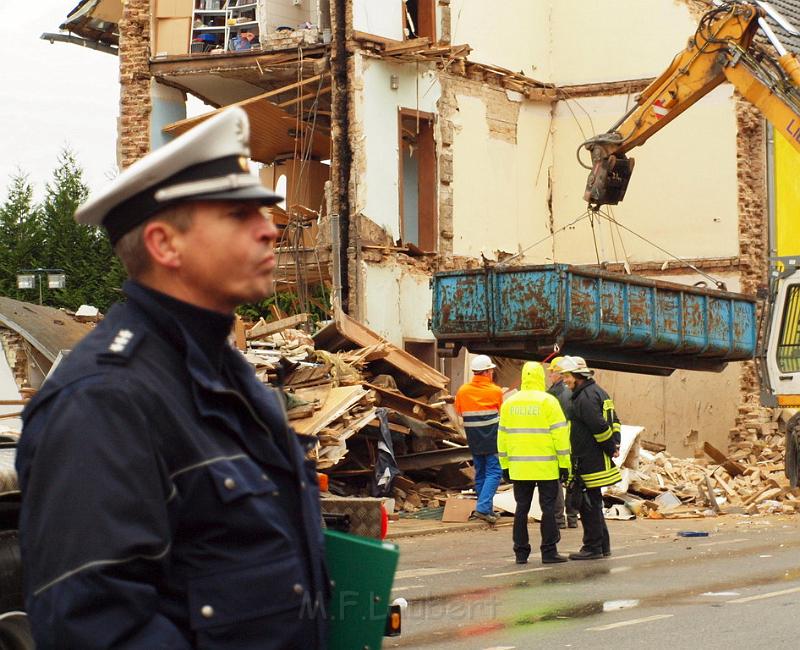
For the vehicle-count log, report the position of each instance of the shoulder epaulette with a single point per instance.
(121, 346)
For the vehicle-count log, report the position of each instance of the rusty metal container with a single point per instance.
(618, 322)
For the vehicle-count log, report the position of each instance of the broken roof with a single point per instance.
(273, 131)
(47, 329)
(95, 20)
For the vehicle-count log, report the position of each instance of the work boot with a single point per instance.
(606, 552)
(489, 518)
(553, 559)
(586, 554)
(522, 559)
(561, 524)
(572, 522)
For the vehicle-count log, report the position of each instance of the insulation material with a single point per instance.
(682, 195)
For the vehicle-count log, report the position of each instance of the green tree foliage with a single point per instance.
(20, 235)
(46, 236)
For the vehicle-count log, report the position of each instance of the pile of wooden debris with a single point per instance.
(748, 480)
(336, 382)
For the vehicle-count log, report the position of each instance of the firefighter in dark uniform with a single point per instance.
(595, 439)
(166, 502)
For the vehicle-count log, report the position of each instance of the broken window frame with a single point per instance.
(427, 177)
(423, 23)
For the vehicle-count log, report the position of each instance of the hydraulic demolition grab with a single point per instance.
(723, 48)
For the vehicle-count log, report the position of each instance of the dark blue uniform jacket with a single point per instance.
(166, 502)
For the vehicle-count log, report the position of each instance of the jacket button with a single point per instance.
(207, 611)
(265, 477)
(229, 483)
(302, 485)
(298, 589)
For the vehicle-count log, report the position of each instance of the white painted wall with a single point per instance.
(513, 34)
(377, 108)
(613, 40)
(397, 302)
(500, 189)
(683, 192)
(379, 17)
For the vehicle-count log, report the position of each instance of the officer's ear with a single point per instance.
(159, 239)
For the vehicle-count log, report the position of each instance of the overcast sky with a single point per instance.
(51, 96)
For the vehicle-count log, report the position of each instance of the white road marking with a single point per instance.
(720, 593)
(625, 557)
(620, 569)
(634, 621)
(772, 594)
(418, 573)
(512, 573)
(724, 541)
(502, 647)
(394, 589)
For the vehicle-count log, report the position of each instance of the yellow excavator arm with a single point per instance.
(723, 48)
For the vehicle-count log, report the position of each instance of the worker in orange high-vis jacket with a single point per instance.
(478, 404)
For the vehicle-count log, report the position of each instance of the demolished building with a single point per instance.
(420, 135)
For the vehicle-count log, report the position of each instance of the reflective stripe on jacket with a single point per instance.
(533, 438)
(478, 404)
(594, 435)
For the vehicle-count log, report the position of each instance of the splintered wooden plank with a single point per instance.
(338, 402)
(406, 405)
(362, 336)
(262, 328)
(731, 466)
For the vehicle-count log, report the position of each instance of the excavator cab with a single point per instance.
(779, 357)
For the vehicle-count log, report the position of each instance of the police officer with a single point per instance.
(563, 394)
(166, 501)
(595, 439)
(533, 445)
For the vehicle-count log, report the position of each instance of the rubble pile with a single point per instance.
(338, 381)
(749, 480)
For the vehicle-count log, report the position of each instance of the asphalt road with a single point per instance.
(739, 587)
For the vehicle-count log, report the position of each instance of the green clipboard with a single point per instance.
(362, 570)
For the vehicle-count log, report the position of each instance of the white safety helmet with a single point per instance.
(481, 363)
(575, 366)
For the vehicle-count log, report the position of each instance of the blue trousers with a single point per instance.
(487, 478)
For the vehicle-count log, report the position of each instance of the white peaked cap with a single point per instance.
(209, 162)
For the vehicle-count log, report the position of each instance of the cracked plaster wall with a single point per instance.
(376, 162)
(379, 17)
(499, 157)
(398, 301)
(612, 40)
(490, 27)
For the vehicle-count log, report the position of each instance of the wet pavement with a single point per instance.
(737, 587)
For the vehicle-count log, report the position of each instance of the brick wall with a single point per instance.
(753, 248)
(134, 77)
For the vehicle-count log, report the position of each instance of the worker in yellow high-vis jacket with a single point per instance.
(533, 446)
